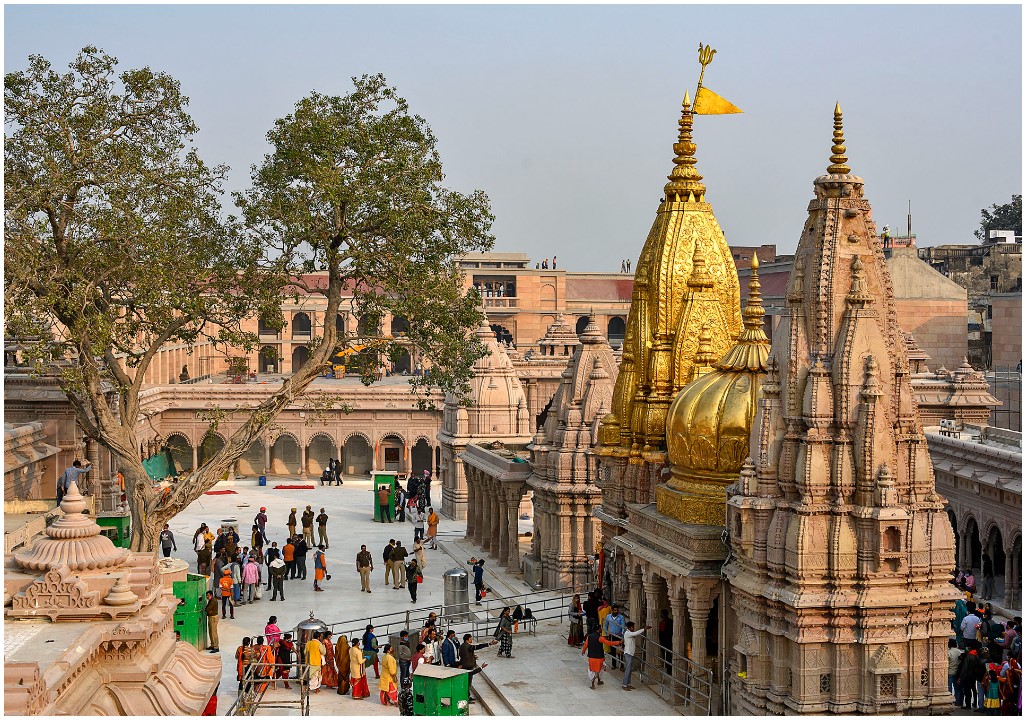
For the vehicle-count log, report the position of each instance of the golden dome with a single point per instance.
(710, 421)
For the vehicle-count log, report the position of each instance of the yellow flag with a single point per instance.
(709, 103)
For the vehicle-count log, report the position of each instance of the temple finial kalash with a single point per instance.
(685, 280)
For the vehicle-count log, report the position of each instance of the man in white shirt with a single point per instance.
(418, 525)
(629, 645)
(970, 624)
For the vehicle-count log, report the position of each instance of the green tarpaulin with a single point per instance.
(160, 466)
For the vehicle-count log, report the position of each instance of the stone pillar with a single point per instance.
(485, 506)
(652, 592)
(267, 456)
(963, 550)
(634, 595)
(1013, 576)
(699, 606)
(93, 456)
(679, 612)
(195, 458)
(497, 528)
(513, 491)
(302, 461)
(471, 516)
(502, 537)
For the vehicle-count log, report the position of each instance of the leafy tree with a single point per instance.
(1001, 217)
(116, 244)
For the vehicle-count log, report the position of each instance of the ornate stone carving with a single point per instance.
(57, 590)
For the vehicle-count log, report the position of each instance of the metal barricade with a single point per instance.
(259, 678)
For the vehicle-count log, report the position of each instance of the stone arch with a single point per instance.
(993, 545)
(301, 325)
(616, 329)
(340, 322)
(369, 325)
(181, 450)
(319, 449)
(357, 433)
(357, 454)
(547, 297)
(973, 550)
(251, 462)
(212, 443)
(953, 519)
(403, 362)
(420, 456)
(582, 323)
(286, 457)
(399, 326)
(392, 449)
(268, 359)
(300, 354)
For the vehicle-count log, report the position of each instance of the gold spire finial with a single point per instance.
(839, 162)
(754, 312)
(685, 183)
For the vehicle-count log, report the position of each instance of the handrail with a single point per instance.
(258, 676)
(687, 683)
(405, 620)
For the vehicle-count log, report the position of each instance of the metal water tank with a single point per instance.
(305, 632)
(457, 594)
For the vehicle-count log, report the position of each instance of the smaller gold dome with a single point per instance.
(709, 424)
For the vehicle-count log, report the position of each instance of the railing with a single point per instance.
(675, 678)
(501, 302)
(479, 620)
(258, 678)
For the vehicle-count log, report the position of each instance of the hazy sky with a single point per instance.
(566, 115)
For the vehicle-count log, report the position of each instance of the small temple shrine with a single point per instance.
(89, 629)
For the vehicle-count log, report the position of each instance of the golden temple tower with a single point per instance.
(709, 423)
(685, 294)
(840, 546)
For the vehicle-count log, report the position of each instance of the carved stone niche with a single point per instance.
(55, 594)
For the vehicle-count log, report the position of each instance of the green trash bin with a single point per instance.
(385, 480)
(192, 626)
(116, 527)
(193, 590)
(439, 690)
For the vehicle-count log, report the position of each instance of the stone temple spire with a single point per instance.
(842, 527)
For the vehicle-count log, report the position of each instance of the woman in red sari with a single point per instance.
(357, 671)
(329, 673)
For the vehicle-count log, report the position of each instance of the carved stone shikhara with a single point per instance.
(840, 546)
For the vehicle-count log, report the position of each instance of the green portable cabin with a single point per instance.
(190, 616)
(116, 527)
(439, 690)
(385, 480)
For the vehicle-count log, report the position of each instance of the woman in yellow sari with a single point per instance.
(388, 683)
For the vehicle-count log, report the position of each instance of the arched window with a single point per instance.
(264, 327)
(615, 330)
(582, 322)
(400, 326)
(301, 325)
